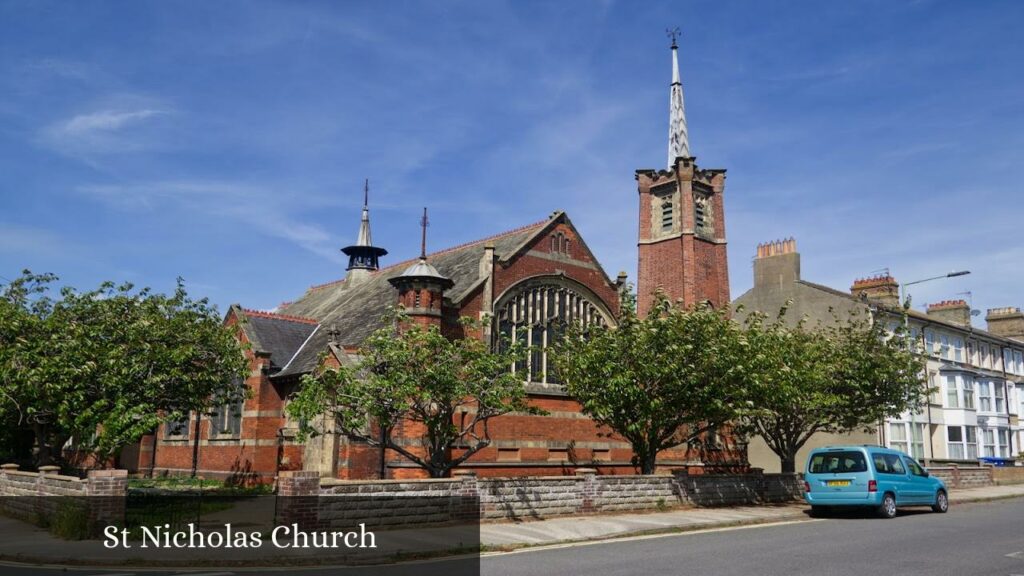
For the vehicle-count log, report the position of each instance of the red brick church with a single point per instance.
(523, 280)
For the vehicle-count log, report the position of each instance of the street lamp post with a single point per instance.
(903, 287)
(913, 420)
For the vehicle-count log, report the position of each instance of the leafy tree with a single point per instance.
(415, 379)
(840, 377)
(658, 381)
(106, 366)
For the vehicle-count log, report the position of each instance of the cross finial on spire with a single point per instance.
(366, 194)
(424, 222)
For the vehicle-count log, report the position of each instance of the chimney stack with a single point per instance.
(882, 289)
(1007, 322)
(953, 311)
(777, 264)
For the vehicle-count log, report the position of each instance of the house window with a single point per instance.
(929, 341)
(983, 361)
(666, 216)
(536, 315)
(944, 352)
(227, 420)
(917, 440)
(989, 446)
(1003, 436)
(898, 436)
(971, 441)
(1000, 397)
(970, 353)
(952, 398)
(955, 438)
(984, 396)
(177, 429)
(958, 350)
(1020, 362)
(968, 393)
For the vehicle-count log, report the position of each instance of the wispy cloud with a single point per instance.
(105, 131)
(85, 125)
(241, 202)
(23, 241)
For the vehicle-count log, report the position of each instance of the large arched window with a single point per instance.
(535, 313)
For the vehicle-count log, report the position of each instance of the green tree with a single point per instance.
(658, 381)
(840, 377)
(106, 366)
(444, 390)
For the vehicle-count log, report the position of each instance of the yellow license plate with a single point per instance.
(838, 483)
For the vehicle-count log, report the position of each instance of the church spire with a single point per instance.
(364, 224)
(678, 140)
(363, 256)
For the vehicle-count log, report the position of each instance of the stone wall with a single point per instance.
(963, 476)
(741, 489)
(39, 496)
(1008, 475)
(441, 500)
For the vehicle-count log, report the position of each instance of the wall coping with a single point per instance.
(341, 482)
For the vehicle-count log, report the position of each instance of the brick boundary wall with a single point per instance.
(396, 501)
(964, 476)
(37, 495)
(1002, 475)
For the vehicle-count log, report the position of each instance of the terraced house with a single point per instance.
(977, 374)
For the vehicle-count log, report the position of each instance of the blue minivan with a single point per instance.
(870, 476)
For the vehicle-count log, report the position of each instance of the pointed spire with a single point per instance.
(363, 255)
(422, 270)
(364, 225)
(678, 140)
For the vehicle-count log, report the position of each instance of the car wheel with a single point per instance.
(888, 507)
(941, 502)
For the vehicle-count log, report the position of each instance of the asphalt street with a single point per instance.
(972, 539)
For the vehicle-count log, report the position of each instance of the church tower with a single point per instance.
(363, 256)
(682, 247)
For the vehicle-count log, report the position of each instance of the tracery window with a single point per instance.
(536, 314)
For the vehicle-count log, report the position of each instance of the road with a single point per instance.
(974, 539)
(984, 539)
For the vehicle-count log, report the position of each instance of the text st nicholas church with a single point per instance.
(525, 280)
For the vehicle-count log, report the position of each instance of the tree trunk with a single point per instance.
(788, 463)
(649, 462)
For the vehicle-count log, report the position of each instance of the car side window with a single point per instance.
(915, 468)
(894, 464)
(880, 466)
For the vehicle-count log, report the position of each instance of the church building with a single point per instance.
(524, 281)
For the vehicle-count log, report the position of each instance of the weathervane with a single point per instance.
(673, 33)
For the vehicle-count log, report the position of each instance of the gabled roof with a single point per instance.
(278, 335)
(355, 310)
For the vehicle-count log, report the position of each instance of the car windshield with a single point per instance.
(837, 462)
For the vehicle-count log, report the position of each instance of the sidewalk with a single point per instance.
(24, 543)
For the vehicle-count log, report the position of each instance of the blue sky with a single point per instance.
(227, 142)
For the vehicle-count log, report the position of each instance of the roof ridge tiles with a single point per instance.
(276, 316)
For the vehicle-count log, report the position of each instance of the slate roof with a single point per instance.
(356, 310)
(276, 334)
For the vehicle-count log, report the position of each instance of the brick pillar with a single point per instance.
(586, 485)
(107, 491)
(466, 501)
(298, 493)
(680, 478)
(956, 476)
